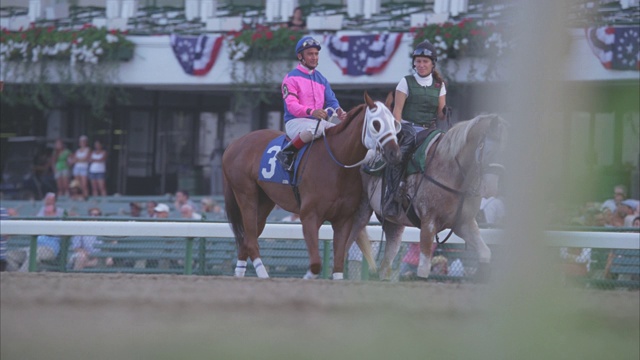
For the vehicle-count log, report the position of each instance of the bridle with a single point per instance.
(378, 129)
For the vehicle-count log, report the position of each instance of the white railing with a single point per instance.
(593, 239)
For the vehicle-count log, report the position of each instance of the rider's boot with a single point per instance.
(287, 154)
(392, 201)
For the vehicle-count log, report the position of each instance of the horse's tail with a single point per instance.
(365, 246)
(233, 213)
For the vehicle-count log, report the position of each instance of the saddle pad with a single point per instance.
(270, 168)
(416, 164)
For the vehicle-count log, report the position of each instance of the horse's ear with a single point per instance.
(369, 101)
(389, 100)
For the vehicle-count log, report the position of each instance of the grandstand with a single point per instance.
(155, 104)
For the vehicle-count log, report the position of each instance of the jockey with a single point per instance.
(420, 101)
(306, 93)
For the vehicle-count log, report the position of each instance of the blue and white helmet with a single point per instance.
(305, 43)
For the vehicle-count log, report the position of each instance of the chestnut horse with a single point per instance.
(328, 189)
(446, 195)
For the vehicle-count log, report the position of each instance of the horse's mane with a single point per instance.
(351, 115)
(455, 139)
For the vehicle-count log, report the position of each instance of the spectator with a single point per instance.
(619, 194)
(60, 165)
(135, 209)
(576, 261)
(75, 192)
(98, 169)
(3, 242)
(161, 211)
(297, 21)
(151, 205)
(48, 247)
(410, 262)
(80, 160)
(50, 201)
(439, 265)
(636, 222)
(84, 248)
(182, 198)
(632, 209)
(186, 212)
(210, 206)
(491, 212)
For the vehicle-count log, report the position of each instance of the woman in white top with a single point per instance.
(98, 169)
(80, 160)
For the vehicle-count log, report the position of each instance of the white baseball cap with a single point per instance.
(161, 208)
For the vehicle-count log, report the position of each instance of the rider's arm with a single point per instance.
(399, 105)
(442, 102)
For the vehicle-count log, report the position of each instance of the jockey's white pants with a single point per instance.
(306, 127)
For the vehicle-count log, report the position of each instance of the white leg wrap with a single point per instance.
(309, 275)
(424, 267)
(260, 269)
(338, 276)
(241, 268)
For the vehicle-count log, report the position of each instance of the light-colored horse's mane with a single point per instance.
(455, 139)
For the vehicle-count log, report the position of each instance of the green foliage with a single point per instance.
(263, 43)
(465, 38)
(260, 57)
(45, 66)
(88, 45)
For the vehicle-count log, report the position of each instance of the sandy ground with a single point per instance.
(124, 316)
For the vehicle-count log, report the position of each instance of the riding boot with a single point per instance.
(395, 189)
(287, 154)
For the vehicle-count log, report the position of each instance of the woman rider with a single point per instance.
(420, 101)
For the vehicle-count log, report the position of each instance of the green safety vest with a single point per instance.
(421, 106)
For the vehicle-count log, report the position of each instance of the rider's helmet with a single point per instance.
(427, 49)
(305, 43)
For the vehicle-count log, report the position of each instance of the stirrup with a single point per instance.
(286, 159)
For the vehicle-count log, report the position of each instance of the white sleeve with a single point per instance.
(403, 87)
(443, 90)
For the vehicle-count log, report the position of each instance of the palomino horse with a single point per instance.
(328, 190)
(446, 195)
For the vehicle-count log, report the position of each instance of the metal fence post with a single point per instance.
(64, 252)
(188, 258)
(365, 269)
(326, 257)
(202, 254)
(33, 253)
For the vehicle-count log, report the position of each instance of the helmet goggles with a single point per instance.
(423, 52)
(309, 43)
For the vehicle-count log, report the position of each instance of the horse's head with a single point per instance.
(488, 154)
(379, 130)
(476, 145)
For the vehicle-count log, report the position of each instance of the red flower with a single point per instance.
(447, 35)
(256, 36)
(50, 29)
(292, 38)
(114, 31)
(269, 35)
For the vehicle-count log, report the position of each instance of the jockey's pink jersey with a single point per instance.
(305, 90)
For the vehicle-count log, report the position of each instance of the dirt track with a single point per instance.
(83, 316)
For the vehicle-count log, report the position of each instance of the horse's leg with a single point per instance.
(393, 235)
(310, 228)
(341, 232)
(250, 202)
(427, 232)
(470, 233)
